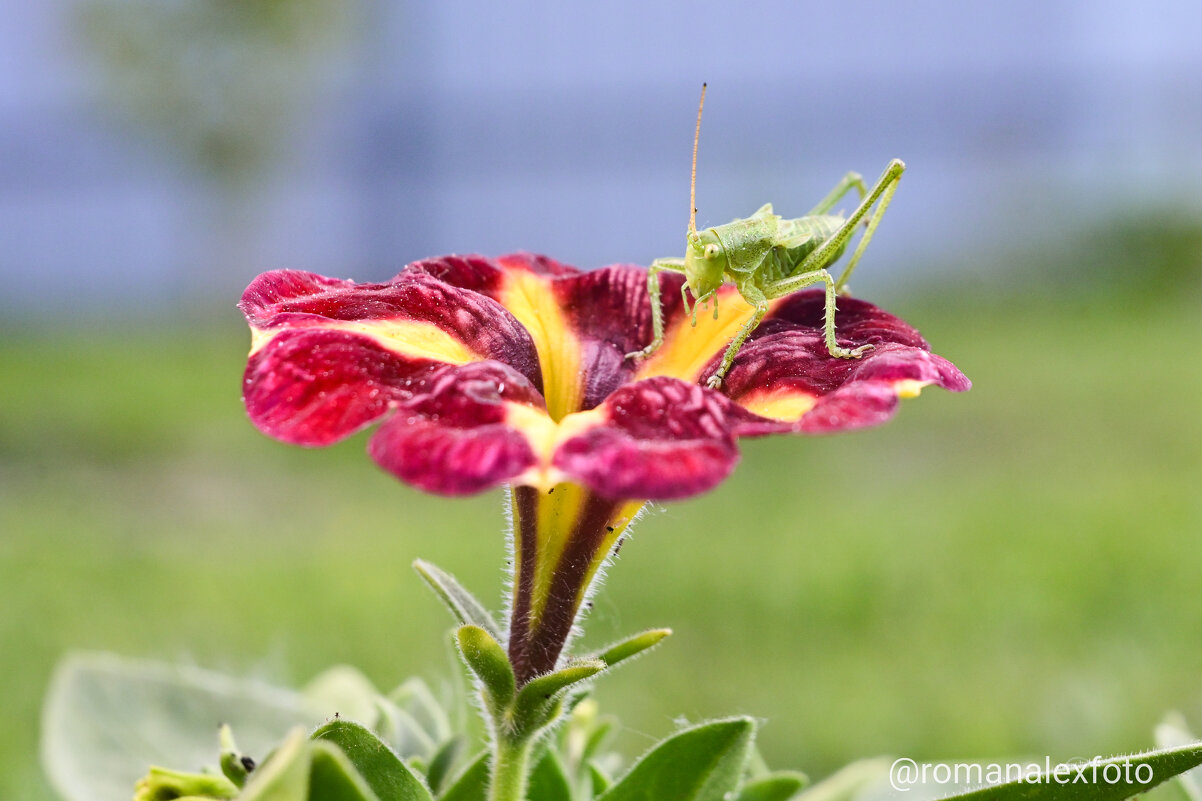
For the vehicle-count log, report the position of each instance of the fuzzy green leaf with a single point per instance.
(632, 646)
(389, 778)
(1111, 779)
(702, 763)
(598, 779)
(488, 660)
(442, 762)
(400, 730)
(415, 698)
(284, 776)
(463, 605)
(471, 784)
(1175, 732)
(549, 780)
(332, 777)
(780, 786)
(849, 781)
(345, 691)
(106, 719)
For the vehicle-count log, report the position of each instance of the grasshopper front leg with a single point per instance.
(657, 308)
(759, 302)
(787, 286)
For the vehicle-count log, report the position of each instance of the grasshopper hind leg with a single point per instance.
(788, 286)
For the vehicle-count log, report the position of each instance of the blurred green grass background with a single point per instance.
(1011, 571)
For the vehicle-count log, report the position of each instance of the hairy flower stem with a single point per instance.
(545, 603)
(510, 769)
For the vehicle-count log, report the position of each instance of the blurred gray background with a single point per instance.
(160, 153)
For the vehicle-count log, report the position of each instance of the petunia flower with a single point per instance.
(514, 370)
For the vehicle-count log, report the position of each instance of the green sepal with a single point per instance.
(463, 605)
(1163, 764)
(549, 780)
(234, 764)
(332, 776)
(284, 775)
(598, 779)
(442, 762)
(488, 661)
(472, 782)
(388, 776)
(632, 646)
(702, 763)
(781, 786)
(161, 783)
(538, 702)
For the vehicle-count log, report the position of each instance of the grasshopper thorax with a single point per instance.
(705, 263)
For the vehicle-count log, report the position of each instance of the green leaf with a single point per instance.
(344, 691)
(1174, 732)
(847, 783)
(632, 646)
(702, 763)
(549, 781)
(106, 719)
(780, 786)
(285, 774)
(389, 778)
(332, 777)
(598, 778)
(442, 762)
(598, 737)
(415, 698)
(399, 728)
(537, 700)
(463, 605)
(488, 660)
(472, 783)
(1111, 779)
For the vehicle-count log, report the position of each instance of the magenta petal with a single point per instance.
(315, 387)
(452, 439)
(664, 439)
(290, 299)
(788, 359)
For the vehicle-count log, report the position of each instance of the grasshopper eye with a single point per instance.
(711, 250)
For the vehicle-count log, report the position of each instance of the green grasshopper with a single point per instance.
(767, 257)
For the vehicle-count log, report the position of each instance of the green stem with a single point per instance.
(511, 764)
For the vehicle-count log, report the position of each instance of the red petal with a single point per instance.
(663, 439)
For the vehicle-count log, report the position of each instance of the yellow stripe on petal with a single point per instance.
(530, 298)
(688, 348)
(545, 435)
(412, 338)
(786, 405)
(909, 387)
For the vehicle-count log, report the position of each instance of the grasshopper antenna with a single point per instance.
(693, 180)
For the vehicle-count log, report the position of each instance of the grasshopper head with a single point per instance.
(704, 263)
